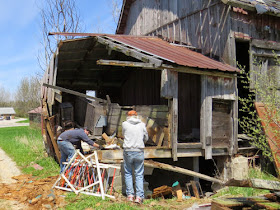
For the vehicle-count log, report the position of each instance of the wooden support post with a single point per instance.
(49, 129)
(174, 128)
(196, 167)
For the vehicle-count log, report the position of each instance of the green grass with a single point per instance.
(23, 121)
(254, 173)
(25, 145)
(83, 201)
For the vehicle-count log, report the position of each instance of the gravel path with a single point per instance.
(12, 123)
(8, 168)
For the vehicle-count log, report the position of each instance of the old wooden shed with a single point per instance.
(188, 101)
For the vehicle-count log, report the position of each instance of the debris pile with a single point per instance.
(36, 194)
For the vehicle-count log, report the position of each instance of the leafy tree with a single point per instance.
(264, 87)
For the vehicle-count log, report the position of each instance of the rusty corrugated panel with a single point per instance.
(163, 50)
(176, 54)
(272, 138)
(271, 7)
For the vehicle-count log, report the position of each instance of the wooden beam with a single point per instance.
(125, 63)
(189, 145)
(266, 44)
(255, 183)
(73, 92)
(129, 52)
(153, 164)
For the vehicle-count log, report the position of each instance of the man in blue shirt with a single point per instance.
(68, 139)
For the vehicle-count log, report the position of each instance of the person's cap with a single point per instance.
(132, 113)
(86, 128)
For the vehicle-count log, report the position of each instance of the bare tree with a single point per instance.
(5, 97)
(116, 6)
(27, 96)
(56, 16)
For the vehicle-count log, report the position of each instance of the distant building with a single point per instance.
(35, 115)
(7, 112)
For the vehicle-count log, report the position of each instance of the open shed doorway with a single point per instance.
(243, 59)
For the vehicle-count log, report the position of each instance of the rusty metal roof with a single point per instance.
(173, 53)
(162, 50)
(270, 7)
(271, 131)
(37, 110)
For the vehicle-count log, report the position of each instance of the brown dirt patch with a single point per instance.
(32, 193)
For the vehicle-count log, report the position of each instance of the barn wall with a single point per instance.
(142, 88)
(210, 26)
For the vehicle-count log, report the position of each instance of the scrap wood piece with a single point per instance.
(162, 191)
(228, 203)
(267, 205)
(255, 183)
(195, 190)
(153, 164)
(155, 132)
(108, 140)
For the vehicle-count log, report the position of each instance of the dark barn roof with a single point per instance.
(79, 59)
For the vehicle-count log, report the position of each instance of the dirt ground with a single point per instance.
(21, 192)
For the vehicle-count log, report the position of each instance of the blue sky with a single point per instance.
(20, 35)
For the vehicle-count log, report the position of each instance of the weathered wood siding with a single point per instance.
(208, 25)
(142, 88)
(222, 89)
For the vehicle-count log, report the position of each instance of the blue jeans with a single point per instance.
(134, 160)
(67, 150)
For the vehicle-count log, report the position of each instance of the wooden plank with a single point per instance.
(169, 84)
(54, 92)
(58, 97)
(161, 137)
(125, 64)
(54, 143)
(189, 145)
(73, 92)
(195, 190)
(107, 139)
(255, 183)
(51, 74)
(153, 164)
